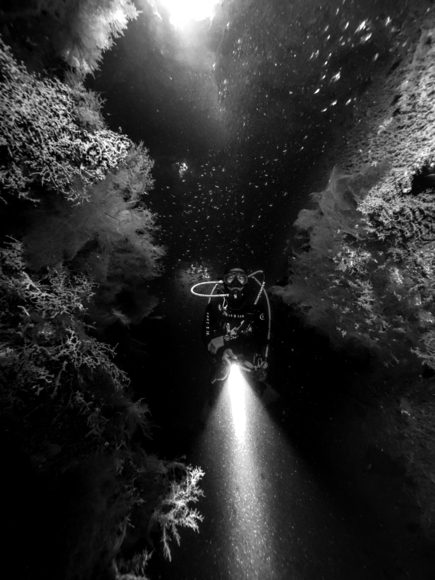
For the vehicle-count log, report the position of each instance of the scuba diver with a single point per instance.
(236, 328)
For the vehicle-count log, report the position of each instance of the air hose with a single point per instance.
(261, 284)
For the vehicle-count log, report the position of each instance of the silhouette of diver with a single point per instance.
(235, 329)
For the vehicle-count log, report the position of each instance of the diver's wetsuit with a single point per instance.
(243, 330)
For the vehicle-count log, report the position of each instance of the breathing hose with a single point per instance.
(261, 284)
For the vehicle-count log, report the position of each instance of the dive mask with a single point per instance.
(236, 279)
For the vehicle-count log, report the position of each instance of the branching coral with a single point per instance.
(174, 509)
(133, 176)
(110, 239)
(46, 138)
(45, 346)
(367, 276)
(61, 389)
(368, 273)
(62, 395)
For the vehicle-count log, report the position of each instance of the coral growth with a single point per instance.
(86, 257)
(80, 30)
(331, 281)
(367, 275)
(110, 238)
(174, 509)
(46, 140)
(89, 27)
(55, 142)
(62, 393)
(46, 350)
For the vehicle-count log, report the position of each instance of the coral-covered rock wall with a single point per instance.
(366, 276)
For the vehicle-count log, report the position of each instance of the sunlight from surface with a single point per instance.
(183, 11)
(237, 386)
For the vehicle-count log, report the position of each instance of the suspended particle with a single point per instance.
(362, 26)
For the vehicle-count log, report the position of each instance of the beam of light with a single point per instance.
(245, 450)
(183, 11)
(270, 512)
(237, 387)
(250, 547)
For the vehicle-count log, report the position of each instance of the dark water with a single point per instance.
(245, 115)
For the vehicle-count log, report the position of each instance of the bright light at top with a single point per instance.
(183, 11)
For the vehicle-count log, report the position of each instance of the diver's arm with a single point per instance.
(261, 329)
(212, 335)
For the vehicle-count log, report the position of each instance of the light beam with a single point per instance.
(237, 389)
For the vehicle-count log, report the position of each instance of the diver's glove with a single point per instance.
(228, 356)
(215, 344)
(223, 369)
